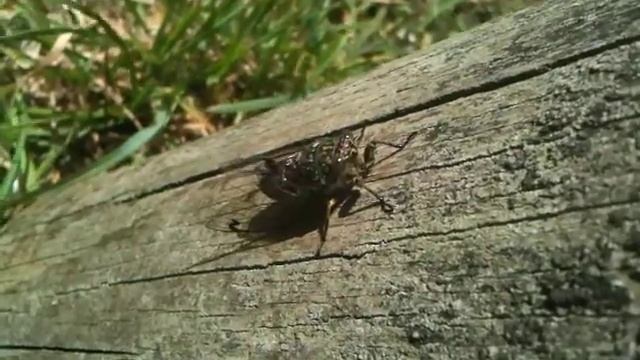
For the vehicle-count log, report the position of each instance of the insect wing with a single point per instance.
(274, 178)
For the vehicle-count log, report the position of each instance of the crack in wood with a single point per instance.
(48, 257)
(242, 267)
(78, 290)
(200, 313)
(489, 224)
(450, 164)
(463, 321)
(66, 349)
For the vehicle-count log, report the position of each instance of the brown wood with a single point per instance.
(516, 232)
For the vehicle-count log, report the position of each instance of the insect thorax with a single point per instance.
(325, 166)
(335, 164)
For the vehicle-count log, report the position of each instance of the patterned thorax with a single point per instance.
(325, 166)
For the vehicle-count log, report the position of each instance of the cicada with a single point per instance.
(308, 185)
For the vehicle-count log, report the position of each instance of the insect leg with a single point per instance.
(360, 137)
(348, 203)
(324, 227)
(384, 205)
(347, 208)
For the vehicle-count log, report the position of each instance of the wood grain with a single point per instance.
(516, 232)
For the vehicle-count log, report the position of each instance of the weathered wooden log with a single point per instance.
(516, 232)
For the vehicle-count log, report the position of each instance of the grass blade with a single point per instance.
(30, 35)
(14, 171)
(249, 105)
(110, 32)
(131, 146)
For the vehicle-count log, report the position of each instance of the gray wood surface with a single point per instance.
(516, 232)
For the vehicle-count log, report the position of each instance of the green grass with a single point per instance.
(83, 89)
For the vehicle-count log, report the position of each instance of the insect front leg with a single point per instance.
(384, 205)
(360, 137)
(370, 156)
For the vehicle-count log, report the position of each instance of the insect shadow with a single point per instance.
(284, 220)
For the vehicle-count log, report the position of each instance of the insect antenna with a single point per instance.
(399, 147)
